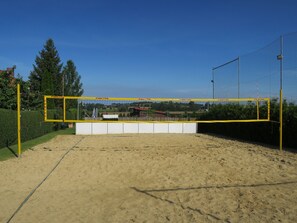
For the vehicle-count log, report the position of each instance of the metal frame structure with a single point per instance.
(64, 98)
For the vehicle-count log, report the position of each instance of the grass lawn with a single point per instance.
(11, 152)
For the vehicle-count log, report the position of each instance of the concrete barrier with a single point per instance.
(123, 128)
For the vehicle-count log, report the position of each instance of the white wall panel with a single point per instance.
(175, 128)
(115, 128)
(189, 128)
(161, 127)
(131, 128)
(83, 128)
(119, 128)
(99, 128)
(146, 128)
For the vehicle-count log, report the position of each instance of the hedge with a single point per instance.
(32, 125)
(8, 127)
(263, 132)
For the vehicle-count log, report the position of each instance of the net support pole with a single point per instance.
(213, 84)
(238, 76)
(258, 111)
(45, 108)
(77, 112)
(268, 110)
(64, 109)
(280, 57)
(19, 119)
(281, 121)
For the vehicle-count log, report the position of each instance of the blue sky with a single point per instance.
(141, 48)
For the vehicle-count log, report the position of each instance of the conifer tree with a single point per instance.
(72, 85)
(71, 80)
(46, 77)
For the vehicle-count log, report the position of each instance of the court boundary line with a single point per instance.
(44, 179)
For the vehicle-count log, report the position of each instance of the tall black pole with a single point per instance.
(212, 81)
(238, 76)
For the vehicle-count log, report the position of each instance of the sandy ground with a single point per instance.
(150, 178)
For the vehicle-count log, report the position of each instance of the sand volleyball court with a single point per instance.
(149, 178)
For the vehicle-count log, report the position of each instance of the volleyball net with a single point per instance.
(103, 109)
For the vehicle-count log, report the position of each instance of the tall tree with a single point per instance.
(46, 77)
(72, 85)
(72, 80)
(7, 90)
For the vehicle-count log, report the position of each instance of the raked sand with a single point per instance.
(149, 178)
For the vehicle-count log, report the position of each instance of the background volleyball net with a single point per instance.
(268, 72)
(97, 109)
(260, 73)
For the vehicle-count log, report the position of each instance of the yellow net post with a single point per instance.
(45, 108)
(64, 109)
(19, 119)
(258, 111)
(268, 110)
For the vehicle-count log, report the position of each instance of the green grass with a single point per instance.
(6, 153)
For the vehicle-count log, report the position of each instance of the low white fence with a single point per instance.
(122, 128)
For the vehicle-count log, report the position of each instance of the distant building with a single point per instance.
(146, 112)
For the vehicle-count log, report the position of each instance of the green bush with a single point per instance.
(32, 126)
(8, 127)
(265, 132)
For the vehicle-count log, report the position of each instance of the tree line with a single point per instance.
(48, 77)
